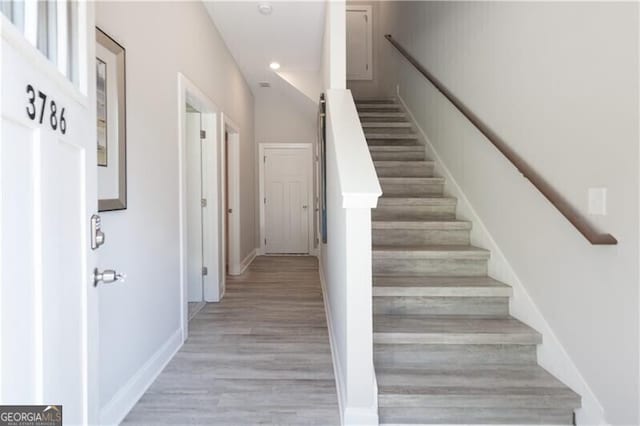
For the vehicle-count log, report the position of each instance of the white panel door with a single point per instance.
(359, 43)
(286, 191)
(48, 309)
(194, 208)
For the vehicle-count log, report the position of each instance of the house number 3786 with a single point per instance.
(39, 109)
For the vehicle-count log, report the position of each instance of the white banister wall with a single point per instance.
(352, 191)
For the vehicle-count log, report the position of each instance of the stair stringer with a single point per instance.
(552, 355)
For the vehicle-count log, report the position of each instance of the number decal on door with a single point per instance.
(55, 121)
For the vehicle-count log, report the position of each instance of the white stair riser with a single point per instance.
(480, 306)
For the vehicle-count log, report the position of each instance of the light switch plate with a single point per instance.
(598, 201)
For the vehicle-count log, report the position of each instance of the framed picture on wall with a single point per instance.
(111, 132)
(322, 142)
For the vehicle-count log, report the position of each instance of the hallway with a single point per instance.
(261, 356)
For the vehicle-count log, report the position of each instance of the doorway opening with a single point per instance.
(200, 191)
(231, 197)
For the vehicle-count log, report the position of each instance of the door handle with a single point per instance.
(305, 206)
(107, 276)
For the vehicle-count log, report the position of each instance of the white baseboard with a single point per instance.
(337, 368)
(114, 411)
(349, 416)
(244, 264)
(551, 354)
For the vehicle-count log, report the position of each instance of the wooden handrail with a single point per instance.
(559, 202)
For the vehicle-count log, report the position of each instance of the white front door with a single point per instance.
(48, 309)
(287, 174)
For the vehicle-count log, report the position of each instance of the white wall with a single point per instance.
(284, 115)
(559, 83)
(334, 46)
(138, 317)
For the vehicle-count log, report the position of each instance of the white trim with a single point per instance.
(337, 368)
(233, 187)
(368, 74)
(551, 354)
(189, 92)
(114, 411)
(310, 210)
(247, 261)
(348, 415)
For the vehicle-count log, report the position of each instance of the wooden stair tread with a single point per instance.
(437, 223)
(380, 135)
(413, 148)
(452, 283)
(402, 163)
(411, 179)
(381, 114)
(390, 200)
(431, 251)
(385, 124)
(470, 378)
(455, 329)
(375, 101)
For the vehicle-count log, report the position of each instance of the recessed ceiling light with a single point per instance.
(265, 8)
(274, 66)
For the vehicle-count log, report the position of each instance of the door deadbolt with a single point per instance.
(97, 236)
(107, 276)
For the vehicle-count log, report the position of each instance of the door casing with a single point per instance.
(188, 92)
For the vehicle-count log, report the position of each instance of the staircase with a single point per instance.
(446, 350)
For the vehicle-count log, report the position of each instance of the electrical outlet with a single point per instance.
(598, 201)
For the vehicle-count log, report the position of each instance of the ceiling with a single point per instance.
(291, 35)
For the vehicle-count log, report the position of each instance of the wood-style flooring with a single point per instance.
(261, 356)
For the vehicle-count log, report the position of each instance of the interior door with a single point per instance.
(48, 310)
(359, 43)
(194, 208)
(286, 186)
